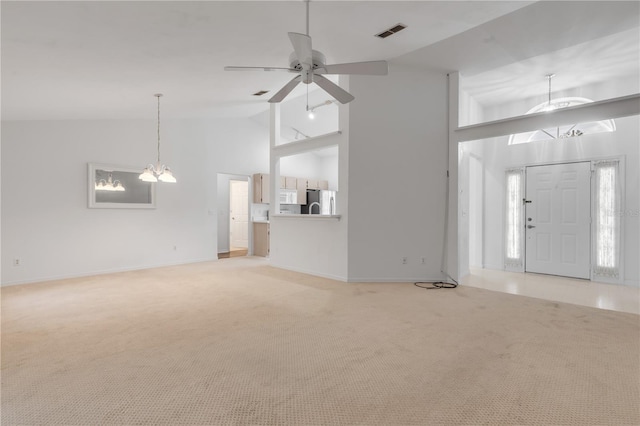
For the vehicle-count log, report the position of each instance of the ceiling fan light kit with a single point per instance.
(310, 65)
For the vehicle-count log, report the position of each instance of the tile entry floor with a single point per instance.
(621, 298)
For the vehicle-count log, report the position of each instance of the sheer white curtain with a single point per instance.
(514, 220)
(607, 214)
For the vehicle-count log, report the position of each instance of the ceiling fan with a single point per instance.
(310, 66)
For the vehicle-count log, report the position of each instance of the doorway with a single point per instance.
(558, 219)
(233, 232)
(238, 217)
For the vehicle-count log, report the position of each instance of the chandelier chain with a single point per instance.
(549, 77)
(158, 96)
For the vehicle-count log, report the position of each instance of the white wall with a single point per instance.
(304, 165)
(294, 116)
(315, 245)
(55, 235)
(397, 176)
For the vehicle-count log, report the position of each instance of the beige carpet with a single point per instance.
(238, 342)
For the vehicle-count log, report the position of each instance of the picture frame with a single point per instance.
(118, 187)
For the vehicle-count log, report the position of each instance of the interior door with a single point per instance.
(558, 219)
(238, 214)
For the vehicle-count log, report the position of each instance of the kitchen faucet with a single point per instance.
(311, 206)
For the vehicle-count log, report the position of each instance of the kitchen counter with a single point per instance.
(309, 216)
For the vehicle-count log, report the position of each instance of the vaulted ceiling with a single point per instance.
(98, 60)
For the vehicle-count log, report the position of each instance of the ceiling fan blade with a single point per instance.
(333, 89)
(362, 68)
(302, 46)
(259, 69)
(282, 93)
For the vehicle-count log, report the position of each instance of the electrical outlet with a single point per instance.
(175, 248)
(405, 260)
(16, 262)
(423, 261)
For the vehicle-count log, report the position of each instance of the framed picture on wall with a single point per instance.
(118, 187)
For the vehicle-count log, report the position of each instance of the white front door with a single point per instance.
(238, 214)
(558, 219)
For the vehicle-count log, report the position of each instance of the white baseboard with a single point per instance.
(308, 272)
(103, 272)
(394, 280)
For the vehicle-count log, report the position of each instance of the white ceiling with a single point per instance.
(99, 60)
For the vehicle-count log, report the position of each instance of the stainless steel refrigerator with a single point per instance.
(320, 201)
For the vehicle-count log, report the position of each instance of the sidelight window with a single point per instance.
(607, 218)
(514, 238)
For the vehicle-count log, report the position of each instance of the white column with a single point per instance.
(451, 253)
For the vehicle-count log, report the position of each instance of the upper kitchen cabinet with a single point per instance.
(317, 184)
(291, 183)
(288, 182)
(261, 188)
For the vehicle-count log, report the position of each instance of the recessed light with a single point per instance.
(260, 93)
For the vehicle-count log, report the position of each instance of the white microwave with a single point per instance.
(288, 196)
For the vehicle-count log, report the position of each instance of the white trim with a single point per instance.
(105, 271)
(308, 216)
(601, 110)
(309, 272)
(391, 280)
(306, 145)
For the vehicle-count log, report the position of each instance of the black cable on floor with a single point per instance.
(436, 285)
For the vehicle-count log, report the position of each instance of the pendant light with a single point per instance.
(162, 172)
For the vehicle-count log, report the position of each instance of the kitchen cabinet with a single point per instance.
(317, 184)
(261, 188)
(261, 239)
(291, 183)
(288, 182)
(301, 186)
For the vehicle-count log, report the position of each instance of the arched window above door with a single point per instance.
(562, 132)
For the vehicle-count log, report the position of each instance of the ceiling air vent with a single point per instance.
(391, 31)
(260, 93)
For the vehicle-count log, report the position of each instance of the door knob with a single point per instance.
(531, 226)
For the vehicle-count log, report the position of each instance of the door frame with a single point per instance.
(592, 161)
(223, 206)
(231, 195)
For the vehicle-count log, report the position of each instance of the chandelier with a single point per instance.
(162, 172)
(109, 184)
(565, 131)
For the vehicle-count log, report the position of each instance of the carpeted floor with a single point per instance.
(239, 342)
